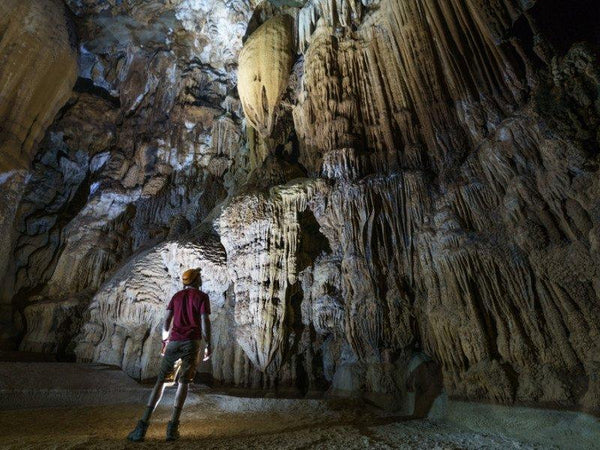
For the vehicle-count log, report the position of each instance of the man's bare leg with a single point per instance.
(139, 431)
(182, 390)
(180, 396)
(154, 400)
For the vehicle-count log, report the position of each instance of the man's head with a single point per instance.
(191, 277)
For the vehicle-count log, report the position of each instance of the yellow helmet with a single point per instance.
(189, 276)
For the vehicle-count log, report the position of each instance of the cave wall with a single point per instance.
(394, 178)
(36, 76)
(142, 151)
(38, 68)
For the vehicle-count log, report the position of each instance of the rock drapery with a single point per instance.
(423, 177)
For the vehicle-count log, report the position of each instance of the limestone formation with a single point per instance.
(37, 72)
(264, 68)
(38, 68)
(422, 185)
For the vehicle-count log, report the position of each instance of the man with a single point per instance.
(188, 312)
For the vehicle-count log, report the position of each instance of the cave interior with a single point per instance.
(394, 206)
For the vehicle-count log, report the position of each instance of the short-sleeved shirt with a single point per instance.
(187, 306)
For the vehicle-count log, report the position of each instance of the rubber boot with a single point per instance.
(138, 433)
(172, 431)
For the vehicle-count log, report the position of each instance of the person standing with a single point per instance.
(188, 313)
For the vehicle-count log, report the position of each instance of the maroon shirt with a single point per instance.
(187, 306)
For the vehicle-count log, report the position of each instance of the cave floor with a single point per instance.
(100, 405)
(293, 424)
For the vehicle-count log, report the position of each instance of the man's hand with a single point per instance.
(207, 353)
(206, 336)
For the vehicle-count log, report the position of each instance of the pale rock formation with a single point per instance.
(261, 236)
(125, 316)
(264, 68)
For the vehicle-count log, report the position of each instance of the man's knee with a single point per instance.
(163, 371)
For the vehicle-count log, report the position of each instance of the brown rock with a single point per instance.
(37, 71)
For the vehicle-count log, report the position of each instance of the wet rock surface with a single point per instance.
(423, 180)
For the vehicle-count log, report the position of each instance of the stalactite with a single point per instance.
(264, 68)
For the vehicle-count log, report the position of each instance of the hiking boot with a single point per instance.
(138, 433)
(172, 431)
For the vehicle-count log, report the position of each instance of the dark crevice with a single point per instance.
(87, 86)
(564, 23)
(312, 242)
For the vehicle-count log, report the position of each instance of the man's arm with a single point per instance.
(206, 335)
(167, 323)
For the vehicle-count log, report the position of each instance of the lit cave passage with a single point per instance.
(394, 206)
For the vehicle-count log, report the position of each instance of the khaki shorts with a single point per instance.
(188, 352)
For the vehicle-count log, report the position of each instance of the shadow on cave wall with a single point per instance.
(307, 360)
(312, 242)
(565, 23)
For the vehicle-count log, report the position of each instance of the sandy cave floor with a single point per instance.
(217, 421)
(288, 424)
